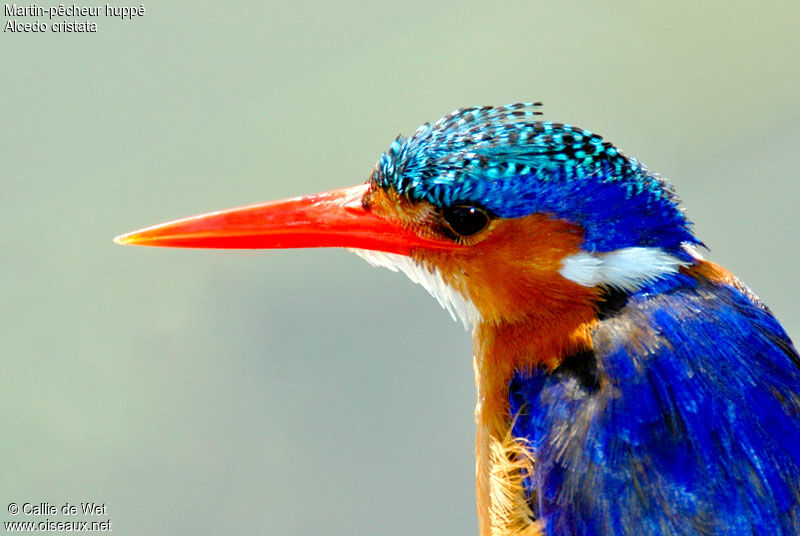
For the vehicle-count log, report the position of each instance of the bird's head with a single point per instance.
(497, 214)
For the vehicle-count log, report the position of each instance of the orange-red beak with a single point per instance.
(330, 219)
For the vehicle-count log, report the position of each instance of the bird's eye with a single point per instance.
(465, 220)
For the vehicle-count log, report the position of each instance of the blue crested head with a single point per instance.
(502, 160)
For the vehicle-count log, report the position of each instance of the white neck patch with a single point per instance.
(626, 269)
(459, 307)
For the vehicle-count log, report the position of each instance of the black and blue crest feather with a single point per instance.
(503, 160)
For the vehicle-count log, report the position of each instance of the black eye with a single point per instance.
(465, 220)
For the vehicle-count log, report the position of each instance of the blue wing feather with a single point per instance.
(692, 426)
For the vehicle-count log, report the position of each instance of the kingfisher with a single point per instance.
(625, 385)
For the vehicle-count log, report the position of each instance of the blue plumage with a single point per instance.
(682, 414)
(502, 160)
(626, 386)
(691, 424)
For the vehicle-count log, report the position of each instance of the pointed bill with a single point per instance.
(329, 219)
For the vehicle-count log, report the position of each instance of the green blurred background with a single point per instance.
(303, 392)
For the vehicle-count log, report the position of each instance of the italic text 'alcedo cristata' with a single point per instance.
(626, 386)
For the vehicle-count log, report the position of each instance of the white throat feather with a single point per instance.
(459, 307)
